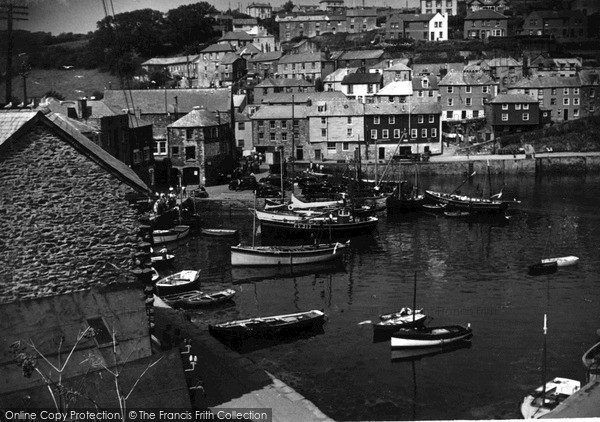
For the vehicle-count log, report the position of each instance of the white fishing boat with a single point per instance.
(298, 204)
(179, 282)
(170, 235)
(286, 255)
(431, 336)
(543, 400)
(563, 261)
(220, 232)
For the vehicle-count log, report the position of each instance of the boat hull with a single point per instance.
(535, 406)
(465, 203)
(393, 324)
(542, 268)
(268, 327)
(563, 261)
(170, 235)
(436, 336)
(399, 205)
(196, 298)
(180, 282)
(307, 228)
(220, 232)
(286, 255)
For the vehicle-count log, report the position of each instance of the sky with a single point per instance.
(80, 16)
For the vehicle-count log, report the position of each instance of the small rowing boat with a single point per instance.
(404, 318)
(196, 298)
(431, 336)
(170, 235)
(220, 232)
(563, 261)
(537, 404)
(179, 282)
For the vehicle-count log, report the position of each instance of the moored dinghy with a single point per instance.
(179, 282)
(196, 298)
(543, 400)
(563, 261)
(286, 255)
(431, 336)
(268, 327)
(170, 235)
(405, 318)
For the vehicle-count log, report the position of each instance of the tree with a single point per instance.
(54, 94)
(190, 24)
(288, 6)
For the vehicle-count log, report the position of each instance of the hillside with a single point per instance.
(72, 83)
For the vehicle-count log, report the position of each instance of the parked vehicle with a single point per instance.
(243, 183)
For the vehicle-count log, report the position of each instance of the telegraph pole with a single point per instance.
(10, 12)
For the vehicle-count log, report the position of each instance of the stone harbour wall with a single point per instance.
(64, 220)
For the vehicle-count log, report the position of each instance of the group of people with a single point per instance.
(164, 202)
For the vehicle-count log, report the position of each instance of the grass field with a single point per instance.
(72, 83)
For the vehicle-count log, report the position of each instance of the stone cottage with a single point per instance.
(65, 219)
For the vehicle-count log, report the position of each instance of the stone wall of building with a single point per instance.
(64, 220)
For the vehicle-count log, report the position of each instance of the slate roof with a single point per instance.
(14, 124)
(403, 108)
(396, 88)
(465, 78)
(425, 17)
(236, 36)
(387, 63)
(513, 99)
(218, 48)
(283, 82)
(248, 49)
(266, 57)
(165, 61)
(367, 11)
(230, 58)
(539, 82)
(418, 85)
(337, 108)
(267, 112)
(303, 97)
(362, 78)
(198, 118)
(435, 68)
(589, 77)
(248, 21)
(152, 101)
(300, 58)
(339, 74)
(361, 55)
(502, 61)
(485, 14)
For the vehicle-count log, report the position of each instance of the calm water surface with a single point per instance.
(466, 273)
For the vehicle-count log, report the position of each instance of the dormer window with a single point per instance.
(425, 83)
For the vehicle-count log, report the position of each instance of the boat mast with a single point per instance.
(281, 172)
(254, 221)
(544, 366)
(414, 311)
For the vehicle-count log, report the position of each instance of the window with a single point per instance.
(475, 114)
(517, 106)
(552, 101)
(468, 101)
(505, 106)
(102, 336)
(576, 112)
(397, 133)
(345, 146)
(260, 125)
(525, 117)
(241, 125)
(272, 124)
(431, 118)
(565, 101)
(324, 133)
(331, 146)
(505, 117)
(370, 89)
(413, 133)
(321, 108)
(565, 91)
(272, 136)
(575, 101)
(450, 101)
(449, 114)
(284, 124)
(175, 151)
(450, 89)
(433, 132)
(284, 136)
(467, 89)
(553, 91)
(350, 89)
(525, 106)
(323, 120)
(349, 132)
(160, 147)
(137, 157)
(385, 133)
(392, 120)
(420, 118)
(190, 153)
(373, 133)
(349, 120)
(261, 135)
(376, 120)
(592, 92)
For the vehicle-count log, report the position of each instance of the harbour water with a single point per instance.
(467, 272)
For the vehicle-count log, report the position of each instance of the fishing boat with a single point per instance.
(196, 298)
(220, 232)
(170, 235)
(591, 360)
(336, 225)
(179, 282)
(298, 204)
(268, 327)
(546, 397)
(405, 318)
(430, 336)
(286, 255)
(416, 353)
(454, 202)
(563, 261)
